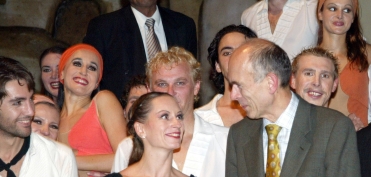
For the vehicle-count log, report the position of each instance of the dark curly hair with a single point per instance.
(139, 113)
(213, 57)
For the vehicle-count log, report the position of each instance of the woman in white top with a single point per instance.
(222, 110)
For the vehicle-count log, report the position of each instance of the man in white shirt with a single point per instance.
(308, 140)
(202, 152)
(23, 153)
(120, 37)
(291, 24)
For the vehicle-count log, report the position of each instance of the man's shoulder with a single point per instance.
(112, 17)
(165, 12)
(43, 144)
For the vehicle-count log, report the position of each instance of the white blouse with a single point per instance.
(296, 28)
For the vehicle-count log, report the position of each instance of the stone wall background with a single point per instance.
(37, 18)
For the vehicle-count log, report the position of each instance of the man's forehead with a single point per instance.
(314, 62)
(17, 89)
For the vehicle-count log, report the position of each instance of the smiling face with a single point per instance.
(16, 110)
(49, 73)
(46, 120)
(227, 45)
(164, 126)
(177, 81)
(81, 73)
(337, 16)
(315, 79)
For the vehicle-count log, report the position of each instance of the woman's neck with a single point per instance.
(156, 162)
(73, 103)
(334, 43)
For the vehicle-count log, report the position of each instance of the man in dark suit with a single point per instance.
(311, 140)
(364, 148)
(120, 37)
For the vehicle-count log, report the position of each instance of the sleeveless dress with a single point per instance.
(87, 136)
(355, 85)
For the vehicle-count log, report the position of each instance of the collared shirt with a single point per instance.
(47, 158)
(159, 29)
(285, 121)
(296, 28)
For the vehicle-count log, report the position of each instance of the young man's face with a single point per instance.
(314, 80)
(16, 110)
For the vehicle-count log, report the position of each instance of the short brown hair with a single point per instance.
(318, 52)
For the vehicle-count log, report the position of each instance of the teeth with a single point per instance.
(25, 121)
(54, 84)
(174, 134)
(314, 93)
(81, 81)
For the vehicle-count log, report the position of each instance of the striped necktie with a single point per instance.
(153, 45)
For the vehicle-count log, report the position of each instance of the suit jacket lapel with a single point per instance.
(170, 27)
(253, 149)
(134, 43)
(300, 139)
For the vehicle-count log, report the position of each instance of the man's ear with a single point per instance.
(217, 67)
(273, 82)
(293, 81)
(139, 129)
(335, 85)
(197, 87)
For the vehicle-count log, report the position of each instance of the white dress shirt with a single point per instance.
(296, 28)
(209, 113)
(285, 121)
(158, 27)
(46, 158)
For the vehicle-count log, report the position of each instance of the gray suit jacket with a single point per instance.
(322, 143)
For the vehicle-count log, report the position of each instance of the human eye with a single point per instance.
(347, 10)
(161, 84)
(325, 76)
(308, 73)
(76, 63)
(39, 122)
(180, 116)
(46, 70)
(332, 9)
(181, 83)
(17, 103)
(92, 68)
(226, 53)
(165, 116)
(54, 127)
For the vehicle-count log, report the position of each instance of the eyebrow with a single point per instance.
(226, 48)
(17, 99)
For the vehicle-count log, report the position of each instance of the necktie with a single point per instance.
(153, 46)
(273, 158)
(16, 158)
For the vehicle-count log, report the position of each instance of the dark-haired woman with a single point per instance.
(156, 124)
(49, 61)
(92, 125)
(221, 110)
(340, 32)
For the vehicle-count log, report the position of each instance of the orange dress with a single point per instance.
(87, 136)
(355, 85)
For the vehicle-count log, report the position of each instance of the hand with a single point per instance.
(96, 173)
(358, 125)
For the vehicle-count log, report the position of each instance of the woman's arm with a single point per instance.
(111, 117)
(368, 49)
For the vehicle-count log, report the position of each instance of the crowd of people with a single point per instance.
(293, 97)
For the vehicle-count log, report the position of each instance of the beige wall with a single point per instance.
(365, 6)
